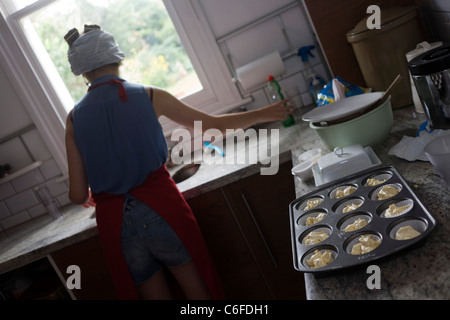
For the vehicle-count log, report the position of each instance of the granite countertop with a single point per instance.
(419, 272)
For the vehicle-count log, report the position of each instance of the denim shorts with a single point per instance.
(148, 241)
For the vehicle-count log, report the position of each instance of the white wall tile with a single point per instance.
(37, 211)
(225, 16)
(22, 201)
(57, 188)
(49, 169)
(27, 180)
(14, 153)
(307, 98)
(4, 212)
(36, 145)
(14, 116)
(63, 199)
(6, 190)
(297, 28)
(260, 99)
(14, 220)
(256, 42)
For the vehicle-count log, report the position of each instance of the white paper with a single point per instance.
(256, 72)
(411, 148)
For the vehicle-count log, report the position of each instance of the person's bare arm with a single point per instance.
(167, 105)
(78, 183)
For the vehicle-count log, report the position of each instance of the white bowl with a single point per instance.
(310, 155)
(303, 170)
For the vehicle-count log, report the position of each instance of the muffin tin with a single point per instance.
(330, 217)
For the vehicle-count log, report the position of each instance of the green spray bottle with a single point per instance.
(277, 95)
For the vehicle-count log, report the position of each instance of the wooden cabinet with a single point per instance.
(34, 281)
(96, 283)
(246, 227)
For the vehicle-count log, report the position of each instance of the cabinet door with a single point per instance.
(96, 283)
(235, 261)
(261, 204)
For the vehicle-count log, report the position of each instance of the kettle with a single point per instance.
(431, 75)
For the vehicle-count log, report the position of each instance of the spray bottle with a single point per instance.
(277, 95)
(317, 83)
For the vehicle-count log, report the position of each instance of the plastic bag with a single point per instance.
(326, 95)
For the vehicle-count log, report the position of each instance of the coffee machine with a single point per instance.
(431, 75)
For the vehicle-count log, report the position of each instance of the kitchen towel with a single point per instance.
(256, 72)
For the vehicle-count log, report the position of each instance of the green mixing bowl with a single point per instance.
(370, 129)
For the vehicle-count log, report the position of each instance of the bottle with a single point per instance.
(48, 201)
(317, 83)
(277, 95)
(315, 86)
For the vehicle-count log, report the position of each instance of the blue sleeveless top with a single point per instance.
(121, 142)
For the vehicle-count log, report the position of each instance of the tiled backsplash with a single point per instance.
(19, 202)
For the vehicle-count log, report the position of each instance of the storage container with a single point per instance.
(381, 52)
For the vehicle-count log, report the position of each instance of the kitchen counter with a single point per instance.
(29, 242)
(418, 272)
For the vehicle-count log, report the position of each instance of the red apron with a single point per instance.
(160, 193)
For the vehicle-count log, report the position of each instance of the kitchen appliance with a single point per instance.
(329, 218)
(430, 73)
(420, 48)
(381, 52)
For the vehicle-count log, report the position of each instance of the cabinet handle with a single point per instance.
(261, 234)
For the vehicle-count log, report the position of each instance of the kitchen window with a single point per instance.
(32, 28)
(142, 28)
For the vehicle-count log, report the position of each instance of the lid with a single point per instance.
(421, 48)
(430, 62)
(343, 161)
(342, 108)
(391, 17)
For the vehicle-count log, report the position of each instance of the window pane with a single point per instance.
(143, 30)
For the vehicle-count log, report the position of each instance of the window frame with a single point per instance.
(24, 69)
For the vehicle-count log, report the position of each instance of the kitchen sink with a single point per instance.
(185, 172)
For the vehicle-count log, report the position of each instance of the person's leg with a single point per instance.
(155, 288)
(190, 281)
(148, 242)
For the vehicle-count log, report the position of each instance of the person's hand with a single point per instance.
(90, 202)
(276, 111)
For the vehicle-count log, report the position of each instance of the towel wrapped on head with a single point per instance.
(95, 48)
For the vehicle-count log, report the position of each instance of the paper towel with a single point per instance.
(256, 72)
(411, 148)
